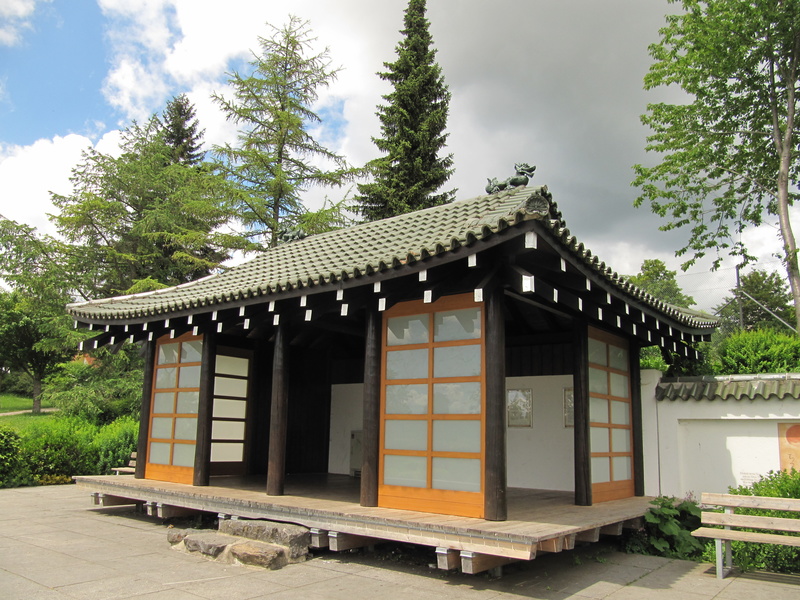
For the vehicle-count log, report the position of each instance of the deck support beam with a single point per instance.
(144, 413)
(495, 502)
(338, 541)
(319, 538)
(448, 559)
(473, 563)
(372, 410)
(279, 415)
(202, 454)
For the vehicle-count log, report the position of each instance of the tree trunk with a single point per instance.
(37, 396)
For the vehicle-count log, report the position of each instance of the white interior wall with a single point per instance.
(347, 415)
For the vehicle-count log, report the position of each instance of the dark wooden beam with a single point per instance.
(372, 410)
(144, 413)
(279, 414)
(495, 503)
(583, 473)
(636, 419)
(202, 453)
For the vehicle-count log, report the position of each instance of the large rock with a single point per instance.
(294, 537)
(176, 535)
(211, 544)
(259, 554)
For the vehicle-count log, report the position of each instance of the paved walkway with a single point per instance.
(53, 545)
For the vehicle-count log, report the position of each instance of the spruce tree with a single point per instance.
(181, 131)
(413, 121)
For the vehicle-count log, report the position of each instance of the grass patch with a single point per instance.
(21, 423)
(13, 403)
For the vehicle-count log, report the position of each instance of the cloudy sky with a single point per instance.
(557, 84)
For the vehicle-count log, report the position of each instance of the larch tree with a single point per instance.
(276, 158)
(728, 154)
(410, 172)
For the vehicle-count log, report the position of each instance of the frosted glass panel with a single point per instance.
(227, 430)
(620, 440)
(231, 365)
(188, 402)
(165, 378)
(457, 325)
(457, 398)
(227, 386)
(189, 377)
(598, 410)
(410, 471)
(161, 428)
(229, 409)
(622, 467)
(191, 351)
(407, 399)
(405, 435)
(168, 354)
(597, 352)
(183, 455)
(620, 413)
(461, 474)
(598, 381)
(227, 451)
(599, 439)
(601, 469)
(185, 429)
(457, 436)
(159, 453)
(407, 364)
(457, 361)
(618, 358)
(163, 402)
(619, 385)
(402, 331)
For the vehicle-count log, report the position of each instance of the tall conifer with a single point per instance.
(181, 131)
(411, 171)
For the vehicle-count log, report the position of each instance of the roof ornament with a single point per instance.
(523, 174)
(287, 234)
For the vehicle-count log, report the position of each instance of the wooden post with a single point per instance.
(580, 379)
(495, 501)
(202, 451)
(279, 415)
(636, 419)
(372, 410)
(144, 413)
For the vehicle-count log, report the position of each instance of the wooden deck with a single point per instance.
(539, 520)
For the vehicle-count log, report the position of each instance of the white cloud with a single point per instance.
(16, 17)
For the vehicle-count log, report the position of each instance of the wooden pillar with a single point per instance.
(495, 502)
(372, 410)
(636, 419)
(279, 415)
(580, 376)
(144, 413)
(202, 454)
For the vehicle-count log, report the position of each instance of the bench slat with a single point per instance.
(763, 502)
(747, 536)
(752, 521)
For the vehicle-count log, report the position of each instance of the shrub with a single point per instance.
(12, 469)
(17, 383)
(758, 351)
(61, 447)
(766, 557)
(667, 530)
(113, 444)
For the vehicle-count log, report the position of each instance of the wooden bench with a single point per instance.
(731, 522)
(131, 468)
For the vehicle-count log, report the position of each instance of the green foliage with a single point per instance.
(759, 351)
(15, 383)
(182, 131)
(667, 530)
(12, 469)
(276, 157)
(651, 358)
(766, 557)
(758, 291)
(408, 175)
(99, 392)
(113, 444)
(14, 403)
(727, 157)
(654, 278)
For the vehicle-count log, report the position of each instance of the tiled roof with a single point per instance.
(371, 248)
(731, 387)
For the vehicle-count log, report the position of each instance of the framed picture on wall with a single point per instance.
(569, 407)
(519, 407)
